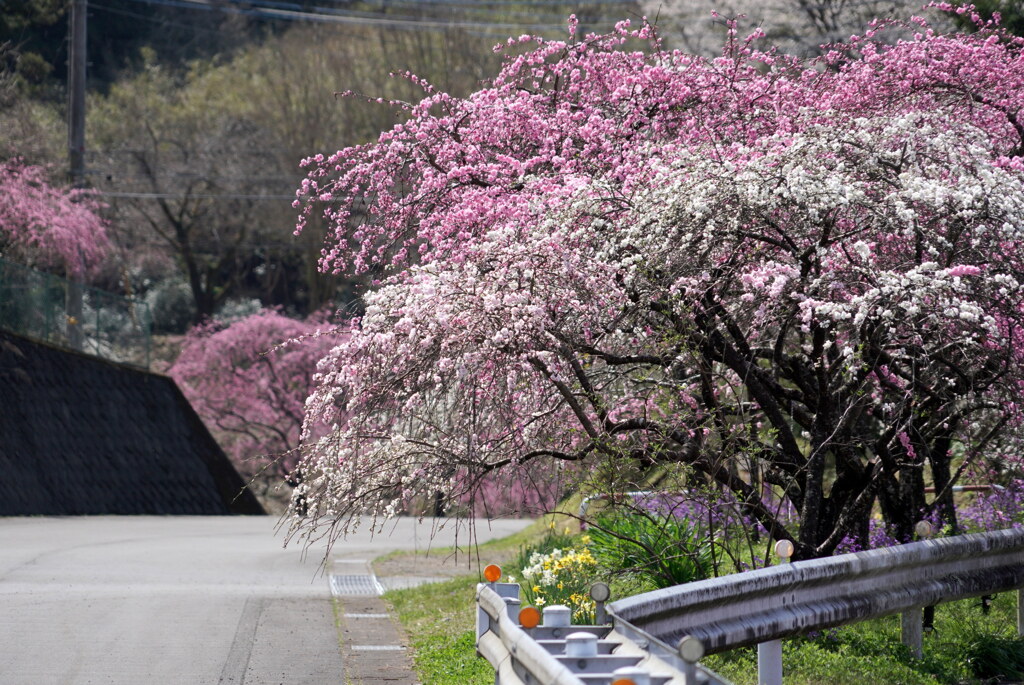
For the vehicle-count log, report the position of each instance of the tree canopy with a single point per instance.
(46, 225)
(249, 384)
(798, 280)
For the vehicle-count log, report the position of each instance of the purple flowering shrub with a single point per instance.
(1002, 506)
(723, 520)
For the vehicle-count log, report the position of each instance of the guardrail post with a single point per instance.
(912, 620)
(557, 616)
(581, 645)
(911, 632)
(512, 607)
(631, 675)
(600, 592)
(769, 654)
(691, 650)
(507, 591)
(1020, 612)
(769, 663)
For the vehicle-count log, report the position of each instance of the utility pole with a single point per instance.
(76, 153)
(76, 93)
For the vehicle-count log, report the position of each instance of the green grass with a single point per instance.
(966, 647)
(440, 620)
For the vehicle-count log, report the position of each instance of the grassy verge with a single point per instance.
(440, 621)
(966, 647)
(440, 618)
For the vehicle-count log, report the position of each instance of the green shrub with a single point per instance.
(992, 657)
(658, 551)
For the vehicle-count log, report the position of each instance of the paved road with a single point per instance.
(169, 600)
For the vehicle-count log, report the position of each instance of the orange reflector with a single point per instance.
(492, 573)
(529, 617)
(623, 681)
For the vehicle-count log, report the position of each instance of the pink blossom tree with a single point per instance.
(249, 380)
(802, 277)
(48, 226)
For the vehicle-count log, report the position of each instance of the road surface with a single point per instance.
(177, 600)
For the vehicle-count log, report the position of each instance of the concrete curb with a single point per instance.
(373, 646)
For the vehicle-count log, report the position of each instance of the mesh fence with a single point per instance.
(55, 310)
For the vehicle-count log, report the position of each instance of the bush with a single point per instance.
(658, 551)
(171, 305)
(991, 657)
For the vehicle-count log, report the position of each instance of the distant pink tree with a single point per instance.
(46, 225)
(249, 380)
(762, 272)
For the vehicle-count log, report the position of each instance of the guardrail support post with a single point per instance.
(911, 631)
(691, 650)
(600, 592)
(512, 607)
(1020, 612)
(769, 654)
(769, 663)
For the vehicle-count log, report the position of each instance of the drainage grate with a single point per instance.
(355, 586)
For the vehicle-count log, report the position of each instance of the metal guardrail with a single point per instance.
(763, 606)
(525, 651)
(52, 309)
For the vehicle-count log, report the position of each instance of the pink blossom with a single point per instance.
(46, 225)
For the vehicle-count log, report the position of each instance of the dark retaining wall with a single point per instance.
(80, 435)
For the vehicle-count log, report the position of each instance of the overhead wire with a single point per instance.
(290, 11)
(197, 196)
(270, 9)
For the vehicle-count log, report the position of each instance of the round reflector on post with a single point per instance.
(784, 549)
(529, 617)
(691, 649)
(492, 573)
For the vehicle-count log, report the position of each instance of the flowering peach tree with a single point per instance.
(46, 225)
(249, 380)
(802, 277)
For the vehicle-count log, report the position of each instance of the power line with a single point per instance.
(155, 20)
(197, 196)
(332, 16)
